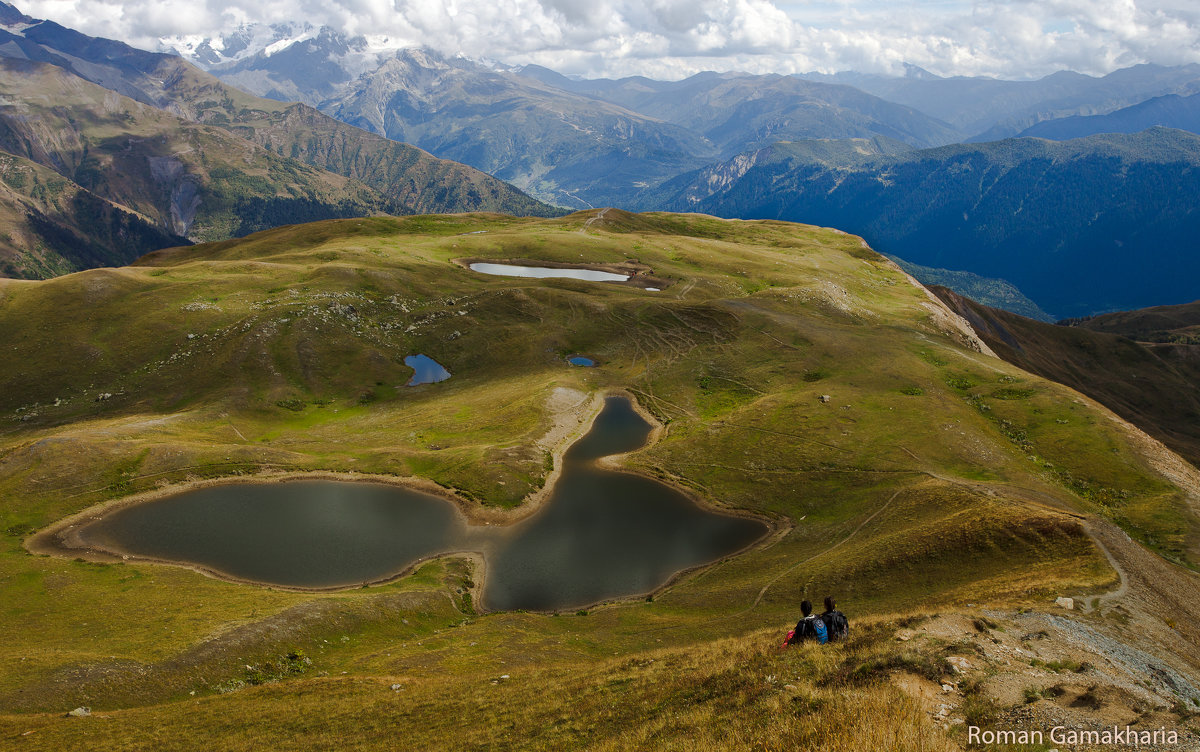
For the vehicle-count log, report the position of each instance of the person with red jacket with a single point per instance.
(810, 627)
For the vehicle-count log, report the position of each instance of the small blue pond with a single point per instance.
(426, 370)
(579, 360)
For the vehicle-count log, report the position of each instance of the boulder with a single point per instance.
(959, 664)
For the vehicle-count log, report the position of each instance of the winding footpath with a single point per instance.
(599, 215)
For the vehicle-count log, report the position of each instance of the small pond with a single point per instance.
(543, 272)
(579, 360)
(601, 534)
(426, 370)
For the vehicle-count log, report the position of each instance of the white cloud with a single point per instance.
(673, 38)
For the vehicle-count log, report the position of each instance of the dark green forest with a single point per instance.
(1098, 224)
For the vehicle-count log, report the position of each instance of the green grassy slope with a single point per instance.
(1151, 385)
(934, 476)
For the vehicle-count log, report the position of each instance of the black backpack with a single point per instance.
(836, 624)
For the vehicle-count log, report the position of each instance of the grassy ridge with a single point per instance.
(910, 487)
(1151, 385)
(736, 693)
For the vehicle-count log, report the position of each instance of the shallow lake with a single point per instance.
(426, 370)
(601, 534)
(579, 360)
(543, 272)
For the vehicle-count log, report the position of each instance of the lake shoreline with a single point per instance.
(640, 275)
(67, 537)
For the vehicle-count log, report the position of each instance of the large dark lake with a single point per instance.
(601, 534)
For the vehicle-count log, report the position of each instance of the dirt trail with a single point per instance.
(1161, 597)
(1159, 601)
(843, 541)
(1155, 599)
(599, 215)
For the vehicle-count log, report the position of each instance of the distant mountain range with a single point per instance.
(562, 147)
(1103, 223)
(739, 111)
(1170, 110)
(734, 111)
(1089, 225)
(291, 46)
(189, 179)
(988, 109)
(108, 152)
(1068, 230)
(574, 143)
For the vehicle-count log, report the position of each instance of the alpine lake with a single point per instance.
(601, 534)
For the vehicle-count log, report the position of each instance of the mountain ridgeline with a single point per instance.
(988, 109)
(1096, 224)
(109, 152)
(566, 148)
(1046, 230)
(1091, 224)
(574, 143)
(1170, 110)
(1178, 324)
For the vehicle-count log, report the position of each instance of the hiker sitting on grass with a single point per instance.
(835, 621)
(810, 627)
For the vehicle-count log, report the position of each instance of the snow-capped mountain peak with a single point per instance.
(244, 41)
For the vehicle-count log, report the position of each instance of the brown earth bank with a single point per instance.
(1046, 677)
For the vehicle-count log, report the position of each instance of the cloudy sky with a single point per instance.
(673, 38)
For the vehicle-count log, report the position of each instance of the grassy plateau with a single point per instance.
(797, 375)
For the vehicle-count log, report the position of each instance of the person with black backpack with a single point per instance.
(836, 624)
(810, 627)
